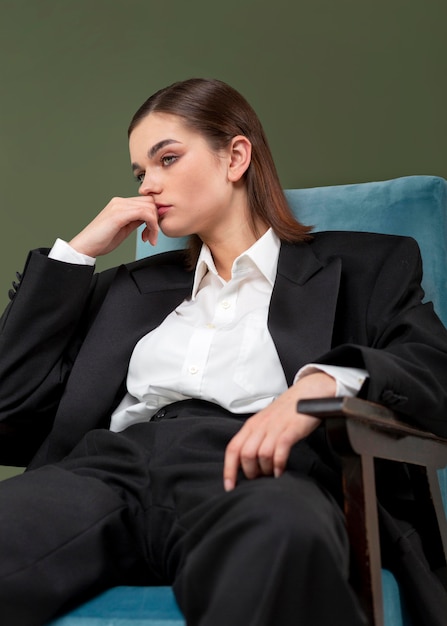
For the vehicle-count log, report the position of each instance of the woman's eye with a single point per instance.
(168, 160)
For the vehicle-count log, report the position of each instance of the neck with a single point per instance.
(235, 232)
(231, 245)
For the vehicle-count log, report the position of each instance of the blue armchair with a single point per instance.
(414, 206)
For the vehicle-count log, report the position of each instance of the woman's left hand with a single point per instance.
(262, 446)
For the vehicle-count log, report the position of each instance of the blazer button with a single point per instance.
(159, 415)
(391, 398)
(15, 286)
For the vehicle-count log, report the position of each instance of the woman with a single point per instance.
(155, 404)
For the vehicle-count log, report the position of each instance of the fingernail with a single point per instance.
(228, 484)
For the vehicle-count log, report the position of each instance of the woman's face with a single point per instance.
(190, 184)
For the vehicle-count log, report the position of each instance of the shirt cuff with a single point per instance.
(62, 251)
(349, 380)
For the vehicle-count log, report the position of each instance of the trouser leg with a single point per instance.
(273, 552)
(149, 505)
(100, 518)
(65, 534)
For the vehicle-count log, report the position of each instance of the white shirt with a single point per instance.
(214, 346)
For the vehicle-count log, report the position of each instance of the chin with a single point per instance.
(174, 232)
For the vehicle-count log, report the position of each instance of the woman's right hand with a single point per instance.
(115, 223)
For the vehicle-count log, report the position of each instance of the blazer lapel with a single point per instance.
(302, 308)
(136, 303)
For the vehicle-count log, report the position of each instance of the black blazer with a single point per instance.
(349, 299)
(344, 298)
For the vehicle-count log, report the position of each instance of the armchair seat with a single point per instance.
(156, 606)
(127, 606)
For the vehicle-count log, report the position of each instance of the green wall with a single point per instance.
(348, 91)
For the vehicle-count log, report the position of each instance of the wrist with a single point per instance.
(65, 252)
(317, 385)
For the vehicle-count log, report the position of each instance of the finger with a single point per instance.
(150, 234)
(250, 465)
(265, 456)
(281, 454)
(233, 456)
(249, 452)
(265, 465)
(132, 212)
(126, 210)
(114, 223)
(231, 466)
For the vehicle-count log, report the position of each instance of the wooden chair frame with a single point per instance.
(359, 432)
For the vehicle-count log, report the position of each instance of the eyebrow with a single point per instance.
(155, 148)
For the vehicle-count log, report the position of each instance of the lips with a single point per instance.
(162, 209)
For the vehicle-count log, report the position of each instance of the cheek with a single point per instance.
(201, 183)
(198, 183)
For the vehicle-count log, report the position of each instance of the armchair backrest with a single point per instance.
(415, 206)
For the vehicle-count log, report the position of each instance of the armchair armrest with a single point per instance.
(385, 437)
(360, 431)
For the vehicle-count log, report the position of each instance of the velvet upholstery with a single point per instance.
(414, 206)
(127, 606)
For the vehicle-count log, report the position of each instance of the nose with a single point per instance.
(149, 185)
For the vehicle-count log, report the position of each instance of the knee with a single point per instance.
(294, 513)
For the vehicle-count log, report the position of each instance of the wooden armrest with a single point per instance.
(368, 428)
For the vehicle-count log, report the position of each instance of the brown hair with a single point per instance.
(219, 113)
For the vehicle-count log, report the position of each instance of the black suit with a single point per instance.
(343, 299)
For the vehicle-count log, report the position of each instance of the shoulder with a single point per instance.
(340, 238)
(362, 255)
(367, 256)
(356, 246)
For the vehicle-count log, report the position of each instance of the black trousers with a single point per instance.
(147, 506)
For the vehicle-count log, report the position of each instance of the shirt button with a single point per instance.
(193, 369)
(225, 304)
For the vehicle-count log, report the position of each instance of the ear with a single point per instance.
(240, 157)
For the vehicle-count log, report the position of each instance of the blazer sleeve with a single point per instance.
(406, 351)
(40, 333)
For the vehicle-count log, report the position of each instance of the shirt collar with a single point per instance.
(263, 254)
